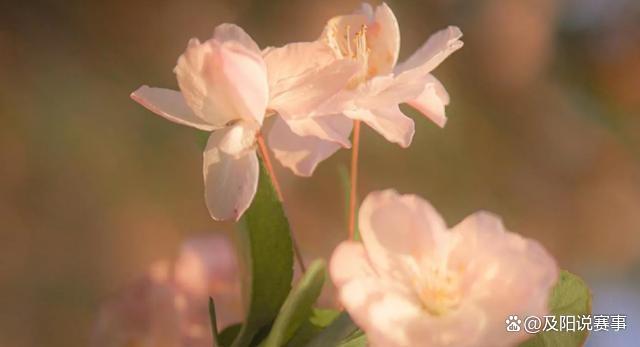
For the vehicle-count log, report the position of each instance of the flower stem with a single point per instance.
(354, 179)
(264, 153)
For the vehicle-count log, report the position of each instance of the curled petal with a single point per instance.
(301, 154)
(227, 32)
(334, 128)
(437, 48)
(432, 101)
(171, 105)
(383, 38)
(230, 181)
(386, 91)
(223, 82)
(389, 122)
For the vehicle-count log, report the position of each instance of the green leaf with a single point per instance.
(339, 332)
(298, 306)
(570, 296)
(319, 319)
(357, 339)
(323, 317)
(228, 334)
(267, 257)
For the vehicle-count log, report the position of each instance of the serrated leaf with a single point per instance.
(298, 306)
(267, 257)
(570, 296)
(340, 331)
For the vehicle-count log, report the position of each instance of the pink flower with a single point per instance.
(372, 39)
(412, 282)
(168, 306)
(228, 87)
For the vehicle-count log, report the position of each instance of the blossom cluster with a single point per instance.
(411, 280)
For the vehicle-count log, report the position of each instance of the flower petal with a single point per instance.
(349, 261)
(389, 122)
(335, 128)
(303, 75)
(400, 229)
(169, 104)
(383, 39)
(437, 48)
(432, 101)
(230, 182)
(228, 32)
(494, 259)
(386, 91)
(223, 81)
(300, 154)
(375, 305)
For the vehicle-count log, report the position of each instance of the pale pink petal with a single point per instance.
(389, 122)
(348, 261)
(493, 260)
(437, 48)
(386, 91)
(169, 104)
(432, 101)
(294, 59)
(376, 305)
(304, 75)
(228, 32)
(463, 327)
(239, 138)
(230, 181)
(223, 82)
(300, 154)
(334, 128)
(399, 229)
(383, 39)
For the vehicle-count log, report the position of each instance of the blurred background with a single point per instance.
(544, 129)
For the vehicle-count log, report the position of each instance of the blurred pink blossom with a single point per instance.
(412, 282)
(168, 307)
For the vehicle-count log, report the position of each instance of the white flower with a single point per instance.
(412, 282)
(228, 87)
(372, 39)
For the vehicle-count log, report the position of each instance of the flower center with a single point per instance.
(438, 289)
(348, 45)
